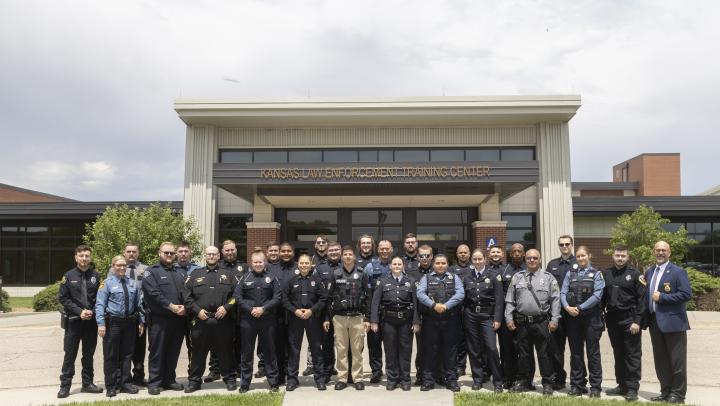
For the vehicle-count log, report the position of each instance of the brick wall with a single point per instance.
(482, 233)
(597, 246)
(259, 237)
(8, 195)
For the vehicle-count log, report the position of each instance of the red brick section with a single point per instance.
(597, 247)
(483, 233)
(11, 194)
(259, 237)
(657, 174)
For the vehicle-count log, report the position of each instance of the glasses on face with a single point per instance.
(564, 244)
(212, 254)
(424, 256)
(320, 242)
(169, 252)
(532, 258)
(120, 266)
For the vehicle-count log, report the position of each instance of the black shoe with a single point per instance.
(359, 386)
(595, 393)
(428, 387)
(391, 386)
(659, 398)
(63, 392)
(231, 385)
(274, 388)
(376, 378)
(260, 373)
(153, 390)
(453, 387)
(547, 390)
(212, 377)
(520, 387)
(291, 387)
(90, 388)
(192, 388)
(340, 386)
(131, 389)
(575, 391)
(558, 385)
(631, 395)
(498, 389)
(418, 382)
(405, 386)
(140, 382)
(321, 386)
(616, 391)
(508, 385)
(174, 386)
(110, 393)
(308, 371)
(675, 399)
(476, 386)
(243, 388)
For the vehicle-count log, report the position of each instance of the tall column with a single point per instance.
(555, 215)
(200, 194)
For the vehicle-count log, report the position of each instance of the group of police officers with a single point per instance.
(343, 296)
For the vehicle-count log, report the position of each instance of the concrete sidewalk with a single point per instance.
(31, 356)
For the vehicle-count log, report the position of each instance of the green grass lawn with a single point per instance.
(17, 302)
(249, 399)
(467, 399)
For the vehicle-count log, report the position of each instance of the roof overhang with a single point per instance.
(378, 112)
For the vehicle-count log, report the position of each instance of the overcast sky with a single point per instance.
(87, 87)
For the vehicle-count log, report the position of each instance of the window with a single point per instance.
(381, 224)
(520, 229)
(236, 157)
(442, 224)
(447, 155)
(368, 156)
(304, 225)
(305, 156)
(475, 155)
(232, 227)
(517, 154)
(419, 155)
(269, 157)
(340, 156)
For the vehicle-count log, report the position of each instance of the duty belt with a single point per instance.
(538, 318)
(348, 313)
(401, 314)
(123, 318)
(481, 309)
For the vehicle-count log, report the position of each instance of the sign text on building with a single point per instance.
(376, 172)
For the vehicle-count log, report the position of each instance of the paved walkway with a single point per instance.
(31, 356)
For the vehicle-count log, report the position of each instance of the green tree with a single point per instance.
(147, 227)
(640, 231)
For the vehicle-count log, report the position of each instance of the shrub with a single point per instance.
(5, 302)
(705, 290)
(47, 299)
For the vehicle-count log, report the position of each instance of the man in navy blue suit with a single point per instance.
(668, 290)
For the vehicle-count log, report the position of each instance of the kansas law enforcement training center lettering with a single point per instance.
(376, 172)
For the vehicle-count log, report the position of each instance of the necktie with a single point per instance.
(126, 296)
(398, 279)
(84, 292)
(132, 271)
(653, 288)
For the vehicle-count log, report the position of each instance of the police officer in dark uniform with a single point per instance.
(318, 258)
(532, 309)
(442, 293)
(624, 306)
(508, 338)
(304, 298)
(119, 322)
(183, 261)
(365, 250)
(581, 295)
(376, 268)
(209, 299)
(163, 294)
(422, 267)
(258, 295)
(461, 267)
(282, 270)
(77, 295)
(495, 259)
(410, 256)
(558, 267)
(231, 264)
(483, 315)
(394, 304)
(326, 271)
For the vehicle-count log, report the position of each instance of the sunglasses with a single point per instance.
(532, 258)
(320, 242)
(424, 256)
(564, 244)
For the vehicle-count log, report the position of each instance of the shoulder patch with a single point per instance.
(63, 280)
(642, 280)
(499, 278)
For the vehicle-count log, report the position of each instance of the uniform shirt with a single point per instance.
(411, 262)
(163, 286)
(209, 288)
(496, 267)
(273, 265)
(78, 290)
(451, 302)
(560, 266)
(419, 271)
(507, 273)
(326, 270)
(283, 271)
(483, 288)
(461, 269)
(375, 269)
(111, 299)
(134, 271)
(317, 259)
(188, 268)
(304, 292)
(394, 295)
(362, 260)
(520, 299)
(236, 268)
(598, 286)
(340, 300)
(258, 289)
(624, 291)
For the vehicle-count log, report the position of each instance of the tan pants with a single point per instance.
(349, 330)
